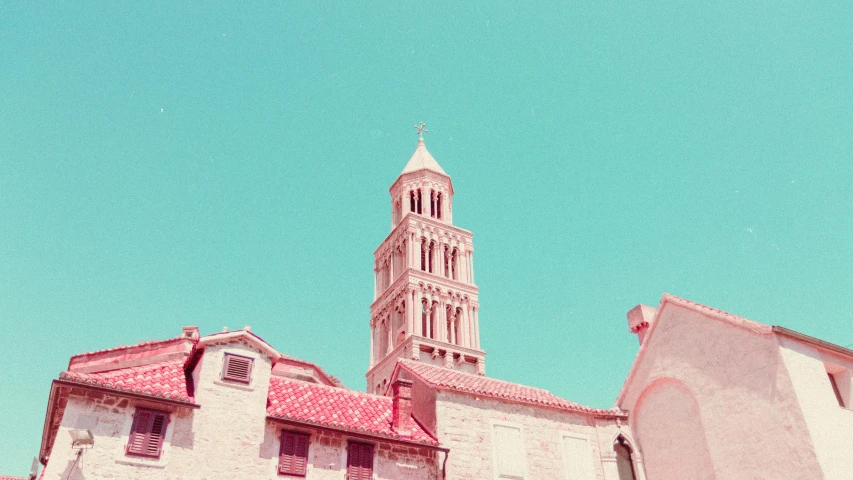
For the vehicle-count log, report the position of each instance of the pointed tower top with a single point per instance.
(422, 160)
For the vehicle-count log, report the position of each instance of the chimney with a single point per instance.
(401, 414)
(640, 319)
(190, 332)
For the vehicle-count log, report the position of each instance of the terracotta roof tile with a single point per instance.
(162, 379)
(446, 378)
(334, 407)
(6, 477)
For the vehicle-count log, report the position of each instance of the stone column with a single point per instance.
(464, 329)
(372, 333)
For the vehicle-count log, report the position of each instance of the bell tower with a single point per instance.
(425, 304)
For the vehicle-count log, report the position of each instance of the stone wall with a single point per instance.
(228, 437)
(466, 423)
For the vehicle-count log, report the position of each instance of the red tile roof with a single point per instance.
(162, 379)
(445, 378)
(338, 408)
(5, 477)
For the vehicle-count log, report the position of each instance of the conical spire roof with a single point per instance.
(422, 160)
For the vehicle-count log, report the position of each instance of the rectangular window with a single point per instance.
(509, 452)
(237, 368)
(360, 461)
(293, 454)
(147, 432)
(578, 456)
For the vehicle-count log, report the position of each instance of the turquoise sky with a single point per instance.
(224, 165)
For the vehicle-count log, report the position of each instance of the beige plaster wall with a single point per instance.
(830, 426)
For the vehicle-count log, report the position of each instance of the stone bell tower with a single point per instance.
(425, 301)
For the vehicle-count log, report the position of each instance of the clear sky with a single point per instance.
(221, 165)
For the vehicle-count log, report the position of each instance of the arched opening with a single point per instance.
(451, 332)
(446, 256)
(424, 318)
(624, 460)
(454, 262)
(433, 320)
(419, 200)
(438, 205)
(423, 254)
(432, 203)
(431, 259)
(457, 316)
(412, 204)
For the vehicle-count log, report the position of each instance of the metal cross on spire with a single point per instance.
(421, 129)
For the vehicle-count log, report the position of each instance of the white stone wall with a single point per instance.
(228, 437)
(829, 425)
(466, 423)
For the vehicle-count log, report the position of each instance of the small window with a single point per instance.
(360, 461)
(293, 454)
(509, 452)
(840, 382)
(147, 432)
(237, 368)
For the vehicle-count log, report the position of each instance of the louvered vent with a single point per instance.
(237, 368)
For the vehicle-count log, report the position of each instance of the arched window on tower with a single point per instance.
(624, 461)
(433, 321)
(419, 200)
(412, 204)
(438, 206)
(431, 259)
(451, 332)
(423, 254)
(454, 264)
(424, 318)
(445, 255)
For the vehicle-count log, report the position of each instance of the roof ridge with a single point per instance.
(144, 343)
(331, 387)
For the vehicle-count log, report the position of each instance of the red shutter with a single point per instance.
(237, 368)
(139, 432)
(360, 462)
(147, 432)
(157, 432)
(293, 454)
(300, 459)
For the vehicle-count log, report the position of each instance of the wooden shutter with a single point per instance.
(360, 462)
(237, 368)
(147, 432)
(293, 454)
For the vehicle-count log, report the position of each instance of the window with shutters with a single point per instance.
(293, 454)
(360, 461)
(237, 368)
(577, 455)
(508, 451)
(147, 432)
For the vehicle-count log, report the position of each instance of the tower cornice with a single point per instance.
(419, 221)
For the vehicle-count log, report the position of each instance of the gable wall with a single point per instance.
(733, 392)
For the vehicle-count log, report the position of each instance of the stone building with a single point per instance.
(710, 395)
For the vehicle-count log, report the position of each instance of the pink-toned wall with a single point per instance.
(715, 400)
